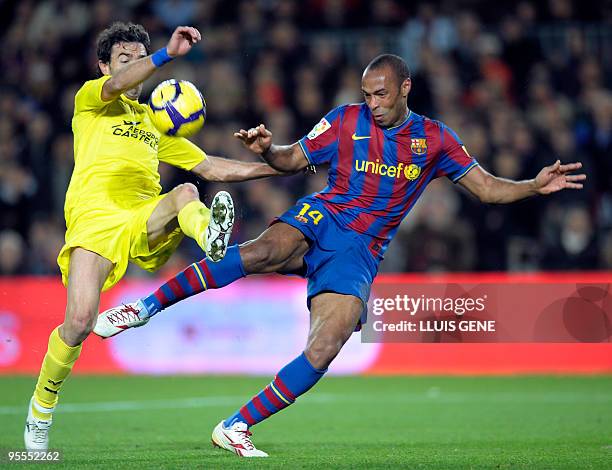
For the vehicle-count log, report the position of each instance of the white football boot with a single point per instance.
(113, 321)
(236, 439)
(220, 226)
(36, 433)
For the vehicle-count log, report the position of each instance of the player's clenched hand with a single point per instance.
(555, 177)
(182, 40)
(256, 139)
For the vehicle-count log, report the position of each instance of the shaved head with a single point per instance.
(394, 63)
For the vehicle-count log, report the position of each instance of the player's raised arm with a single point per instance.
(550, 179)
(284, 158)
(130, 65)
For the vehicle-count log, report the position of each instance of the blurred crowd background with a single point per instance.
(522, 82)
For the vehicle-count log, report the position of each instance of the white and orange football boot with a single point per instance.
(236, 439)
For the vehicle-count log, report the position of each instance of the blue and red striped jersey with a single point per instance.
(377, 174)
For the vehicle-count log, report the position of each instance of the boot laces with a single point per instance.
(125, 314)
(39, 432)
(246, 439)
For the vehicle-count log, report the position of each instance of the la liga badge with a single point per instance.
(317, 130)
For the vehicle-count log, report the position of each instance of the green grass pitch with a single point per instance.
(349, 422)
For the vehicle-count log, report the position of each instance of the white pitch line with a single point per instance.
(96, 407)
(432, 397)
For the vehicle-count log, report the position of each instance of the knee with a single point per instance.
(322, 351)
(78, 325)
(183, 194)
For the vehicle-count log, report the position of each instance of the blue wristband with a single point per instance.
(160, 57)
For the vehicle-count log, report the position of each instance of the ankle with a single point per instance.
(41, 412)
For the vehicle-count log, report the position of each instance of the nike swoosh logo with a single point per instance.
(360, 137)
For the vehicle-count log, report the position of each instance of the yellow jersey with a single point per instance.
(115, 182)
(117, 151)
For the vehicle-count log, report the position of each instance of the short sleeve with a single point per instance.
(454, 161)
(179, 152)
(89, 96)
(321, 143)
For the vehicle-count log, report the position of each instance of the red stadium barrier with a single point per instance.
(259, 324)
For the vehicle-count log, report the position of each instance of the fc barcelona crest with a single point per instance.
(418, 146)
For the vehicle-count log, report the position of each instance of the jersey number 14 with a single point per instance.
(315, 215)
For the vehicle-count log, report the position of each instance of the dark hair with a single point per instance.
(120, 32)
(398, 66)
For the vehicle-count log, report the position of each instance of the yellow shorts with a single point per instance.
(119, 235)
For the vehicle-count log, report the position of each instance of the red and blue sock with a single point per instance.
(293, 380)
(196, 278)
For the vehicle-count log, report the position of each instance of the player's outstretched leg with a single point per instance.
(333, 318)
(196, 278)
(280, 246)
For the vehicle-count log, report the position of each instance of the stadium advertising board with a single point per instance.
(530, 324)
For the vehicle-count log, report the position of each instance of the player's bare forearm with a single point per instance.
(231, 171)
(128, 77)
(494, 190)
(285, 158)
(504, 191)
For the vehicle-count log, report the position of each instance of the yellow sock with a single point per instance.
(56, 367)
(193, 219)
